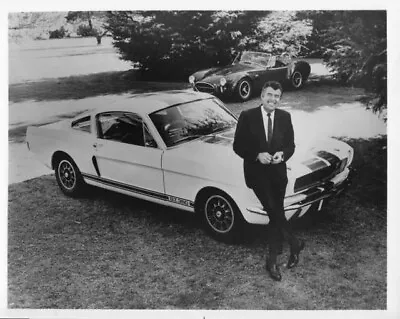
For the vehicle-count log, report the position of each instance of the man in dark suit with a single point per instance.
(264, 138)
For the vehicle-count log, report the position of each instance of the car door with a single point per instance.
(273, 72)
(126, 154)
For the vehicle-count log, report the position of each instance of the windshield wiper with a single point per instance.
(186, 138)
(220, 129)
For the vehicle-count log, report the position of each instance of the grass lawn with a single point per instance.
(111, 251)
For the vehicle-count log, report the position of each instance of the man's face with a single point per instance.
(270, 98)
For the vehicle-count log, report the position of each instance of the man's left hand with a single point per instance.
(277, 158)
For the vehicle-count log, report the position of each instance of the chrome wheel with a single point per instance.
(297, 79)
(219, 214)
(244, 89)
(67, 175)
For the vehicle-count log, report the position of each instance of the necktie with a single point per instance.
(269, 137)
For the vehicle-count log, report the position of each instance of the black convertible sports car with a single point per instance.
(248, 73)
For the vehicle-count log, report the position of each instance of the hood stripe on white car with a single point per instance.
(330, 157)
(321, 168)
(321, 160)
(141, 191)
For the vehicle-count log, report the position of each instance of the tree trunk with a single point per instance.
(89, 20)
(99, 36)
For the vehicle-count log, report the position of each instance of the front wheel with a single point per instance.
(69, 178)
(221, 217)
(297, 79)
(244, 89)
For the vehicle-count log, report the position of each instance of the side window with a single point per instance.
(123, 127)
(82, 124)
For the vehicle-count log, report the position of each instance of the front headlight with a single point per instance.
(191, 79)
(222, 81)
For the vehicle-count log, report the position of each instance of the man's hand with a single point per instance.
(264, 158)
(277, 158)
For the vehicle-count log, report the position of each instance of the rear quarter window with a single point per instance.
(82, 124)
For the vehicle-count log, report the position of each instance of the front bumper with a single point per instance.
(313, 196)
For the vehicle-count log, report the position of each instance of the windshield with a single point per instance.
(255, 57)
(189, 121)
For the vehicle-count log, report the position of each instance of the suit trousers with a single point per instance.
(270, 189)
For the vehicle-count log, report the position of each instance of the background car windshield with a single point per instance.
(185, 122)
(255, 57)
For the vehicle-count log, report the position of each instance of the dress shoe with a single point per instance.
(274, 272)
(294, 256)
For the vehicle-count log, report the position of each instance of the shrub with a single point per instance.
(86, 31)
(57, 34)
(168, 51)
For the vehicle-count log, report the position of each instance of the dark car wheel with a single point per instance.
(68, 176)
(297, 79)
(221, 217)
(244, 89)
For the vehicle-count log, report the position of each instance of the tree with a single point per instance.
(172, 44)
(353, 44)
(91, 17)
(283, 31)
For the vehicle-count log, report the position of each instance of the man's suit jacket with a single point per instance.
(250, 140)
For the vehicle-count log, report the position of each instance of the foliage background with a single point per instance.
(170, 45)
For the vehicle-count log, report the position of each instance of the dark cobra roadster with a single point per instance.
(248, 73)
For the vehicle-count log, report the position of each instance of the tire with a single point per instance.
(68, 177)
(297, 79)
(221, 217)
(244, 89)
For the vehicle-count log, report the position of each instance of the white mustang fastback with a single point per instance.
(175, 148)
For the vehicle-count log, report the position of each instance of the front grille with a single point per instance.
(320, 175)
(313, 178)
(205, 87)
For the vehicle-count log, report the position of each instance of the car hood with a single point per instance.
(212, 157)
(213, 75)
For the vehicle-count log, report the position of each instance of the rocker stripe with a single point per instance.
(138, 190)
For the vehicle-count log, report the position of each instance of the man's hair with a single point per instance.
(273, 84)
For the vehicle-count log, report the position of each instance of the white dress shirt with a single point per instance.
(265, 121)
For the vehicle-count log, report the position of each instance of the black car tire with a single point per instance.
(220, 217)
(297, 79)
(68, 177)
(244, 89)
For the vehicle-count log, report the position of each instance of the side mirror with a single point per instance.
(151, 143)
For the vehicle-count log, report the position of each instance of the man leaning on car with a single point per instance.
(264, 139)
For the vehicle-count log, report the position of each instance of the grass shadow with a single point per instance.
(83, 86)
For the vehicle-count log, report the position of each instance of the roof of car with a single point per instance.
(147, 103)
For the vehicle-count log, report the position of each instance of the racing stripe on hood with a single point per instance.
(321, 160)
(330, 157)
(321, 168)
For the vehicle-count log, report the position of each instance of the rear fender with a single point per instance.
(303, 67)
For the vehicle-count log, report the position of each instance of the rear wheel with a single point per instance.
(68, 176)
(221, 217)
(297, 79)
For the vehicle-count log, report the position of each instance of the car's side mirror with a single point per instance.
(151, 143)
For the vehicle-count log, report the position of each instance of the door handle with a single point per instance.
(96, 145)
